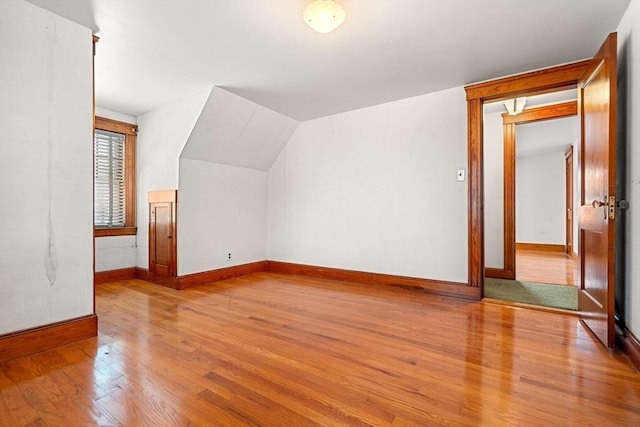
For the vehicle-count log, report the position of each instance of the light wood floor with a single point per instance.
(277, 350)
(555, 268)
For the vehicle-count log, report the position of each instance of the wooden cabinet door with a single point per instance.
(162, 233)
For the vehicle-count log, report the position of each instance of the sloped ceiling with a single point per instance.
(153, 52)
(232, 130)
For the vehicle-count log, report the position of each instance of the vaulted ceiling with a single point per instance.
(152, 52)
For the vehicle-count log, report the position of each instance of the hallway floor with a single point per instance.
(556, 268)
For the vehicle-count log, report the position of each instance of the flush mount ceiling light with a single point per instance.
(323, 16)
(515, 106)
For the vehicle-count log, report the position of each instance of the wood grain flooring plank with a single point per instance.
(270, 349)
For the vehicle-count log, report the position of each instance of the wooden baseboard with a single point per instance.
(211, 276)
(35, 340)
(100, 277)
(540, 247)
(142, 274)
(499, 273)
(630, 345)
(454, 289)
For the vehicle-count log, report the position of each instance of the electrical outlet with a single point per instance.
(228, 256)
(460, 174)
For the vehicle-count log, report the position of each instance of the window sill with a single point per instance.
(121, 231)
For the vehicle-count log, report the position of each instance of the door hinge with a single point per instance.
(612, 207)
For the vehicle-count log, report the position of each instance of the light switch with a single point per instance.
(460, 174)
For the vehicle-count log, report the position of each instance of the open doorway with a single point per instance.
(529, 185)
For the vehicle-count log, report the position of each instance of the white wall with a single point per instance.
(493, 152)
(115, 252)
(375, 190)
(221, 209)
(629, 40)
(540, 199)
(46, 107)
(162, 134)
(115, 115)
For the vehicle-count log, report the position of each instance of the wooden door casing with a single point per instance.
(568, 156)
(534, 82)
(597, 93)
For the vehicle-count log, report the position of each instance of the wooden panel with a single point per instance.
(162, 238)
(535, 82)
(454, 289)
(46, 337)
(101, 277)
(163, 235)
(568, 195)
(212, 276)
(546, 247)
(269, 349)
(598, 178)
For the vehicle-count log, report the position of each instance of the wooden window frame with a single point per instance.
(130, 131)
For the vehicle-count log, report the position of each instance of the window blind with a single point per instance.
(109, 179)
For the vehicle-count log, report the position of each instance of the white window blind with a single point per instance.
(109, 178)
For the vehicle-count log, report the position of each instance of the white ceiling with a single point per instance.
(153, 52)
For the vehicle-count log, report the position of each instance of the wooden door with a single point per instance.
(597, 93)
(162, 234)
(568, 182)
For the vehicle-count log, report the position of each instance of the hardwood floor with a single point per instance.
(555, 268)
(275, 350)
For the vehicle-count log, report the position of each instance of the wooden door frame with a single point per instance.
(509, 122)
(569, 195)
(533, 83)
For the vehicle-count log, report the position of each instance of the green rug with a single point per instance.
(557, 296)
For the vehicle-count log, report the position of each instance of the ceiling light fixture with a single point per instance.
(323, 16)
(515, 106)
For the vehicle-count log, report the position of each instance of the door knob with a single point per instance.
(597, 204)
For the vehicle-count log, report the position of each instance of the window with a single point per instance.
(114, 179)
